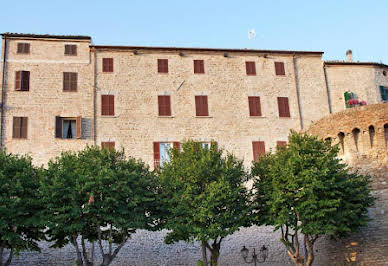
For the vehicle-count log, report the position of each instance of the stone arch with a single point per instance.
(356, 134)
(386, 134)
(341, 137)
(372, 133)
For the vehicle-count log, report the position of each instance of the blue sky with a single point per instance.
(329, 26)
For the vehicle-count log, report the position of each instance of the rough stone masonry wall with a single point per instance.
(370, 246)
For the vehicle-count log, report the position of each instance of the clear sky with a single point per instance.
(331, 26)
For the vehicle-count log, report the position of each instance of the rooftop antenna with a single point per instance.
(251, 34)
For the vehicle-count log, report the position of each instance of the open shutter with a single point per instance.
(18, 79)
(78, 123)
(16, 127)
(205, 109)
(24, 125)
(25, 80)
(58, 127)
(177, 145)
(156, 155)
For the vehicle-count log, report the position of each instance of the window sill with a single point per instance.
(283, 117)
(202, 116)
(109, 116)
(256, 116)
(166, 116)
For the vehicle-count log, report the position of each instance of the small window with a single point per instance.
(341, 138)
(250, 68)
(356, 134)
(70, 49)
(23, 48)
(384, 93)
(19, 130)
(281, 143)
(22, 80)
(386, 134)
(199, 67)
(162, 65)
(384, 73)
(279, 69)
(258, 148)
(70, 81)
(372, 134)
(201, 106)
(254, 106)
(109, 145)
(108, 105)
(68, 127)
(164, 105)
(283, 106)
(107, 65)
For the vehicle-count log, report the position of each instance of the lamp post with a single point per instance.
(256, 258)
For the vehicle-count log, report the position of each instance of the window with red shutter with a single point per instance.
(283, 106)
(164, 105)
(258, 148)
(70, 49)
(201, 106)
(250, 68)
(156, 155)
(107, 65)
(279, 69)
(19, 128)
(22, 80)
(281, 143)
(109, 145)
(23, 48)
(199, 67)
(254, 106)
(107, 105)
(162, 65)
(70, 81)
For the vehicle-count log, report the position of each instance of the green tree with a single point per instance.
(20, 207)
(203, 196)
(305, 191)
(97, 195)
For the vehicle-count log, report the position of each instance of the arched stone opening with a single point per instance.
(341, 137)
(386, 134)
(356, 134)
(372, 134)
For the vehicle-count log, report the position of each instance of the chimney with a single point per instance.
(349, 55)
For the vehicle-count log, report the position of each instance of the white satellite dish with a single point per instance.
(251, 34)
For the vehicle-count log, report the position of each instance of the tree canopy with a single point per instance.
(305, 189)
(203, 195)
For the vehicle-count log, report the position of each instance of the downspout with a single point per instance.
(327, 88)
(3, 96)
(94, 96)
(297, 92)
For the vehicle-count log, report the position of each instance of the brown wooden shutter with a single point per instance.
(107, 105)
(201, 106)
(281, 143)
(279, 69)
(18, 79)
(24, 126)
(156, 155)
(16, 127)
(107, 65)
(66, 81)
(250, 68)
(67, 49)
(74, 49)
(258, 148)
(73, 81)
(27, 48)
(164, 105)
(199, 67)
(20, 48)
(78, 123)
(254, 106)
(23, 48)
(284, 110)
(177, 145)
(162, 65)
(110, 145)
(25, 80)
(58, 127)
(111, 104)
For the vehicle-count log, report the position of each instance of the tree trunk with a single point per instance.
(214, 255)
(204, 254)
(297, 260)
(8, 261)
(79, 256)
(310, 249)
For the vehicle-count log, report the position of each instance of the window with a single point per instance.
(258, 148)
(384, 93)
(19, 130)
(162, 65)
(107, 65)
(279, 69)
(70, 81)
(284, 109)
(254, 106)
(68, 127)
(164, 105)
(372, 134)
(107, 105)
(201, 107)
(250, 68)
(23, 48)
(161, 154)
(22, 81)
(281, 143)
(199, 67)
(110, 145)
(70, 49)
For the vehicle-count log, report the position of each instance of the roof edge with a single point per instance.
(46, 36)
(114, 47)
(344, 63)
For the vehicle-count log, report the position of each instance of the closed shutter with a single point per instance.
(283, 106)
(18, 80)
(58, 127)
(162, 65)
(164, 105)
(107, 65)
(258, 148)
(25, 81)
(78, 123)
(23, 48)
(16, 127)
(24, 126)
(110, 145)
(67, 50)
(199, 67)
(177, 145)
(73, 81)
(66, 81)
(20, 48)
(201, 106)
(107, 105)
(156, 155)
(111, 104)
(281, 143)
(250, 68)
(70, 81)
(254, 106)
(74, 49)
(279, 69)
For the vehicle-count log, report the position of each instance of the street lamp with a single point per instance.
(263, 255)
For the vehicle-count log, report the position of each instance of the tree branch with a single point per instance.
(8, 262)
(99, 239)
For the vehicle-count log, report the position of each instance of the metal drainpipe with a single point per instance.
(3, 96)
(297, 92)
(327, 88)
